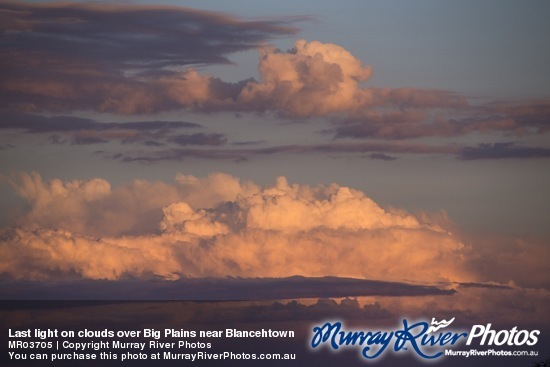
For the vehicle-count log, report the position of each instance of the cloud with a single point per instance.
(378, 150)
(85, 140)
(382, 156)
(219, 226)
(419, 117)
(72, 57)
(382, 125)
(108, 57)
(107, 42)
(516, 260)
(31, 123)
(311, 79)
(248, 142)
(198, 247)
(417, 98)
(129, 29)
(386, 303)
(389, 126)
(530, 116)
(503, 151)
(95, 208)
(200, 139)
(484, 285)
(178, 154)
(153, 143)
(79, 130)
(215, 289)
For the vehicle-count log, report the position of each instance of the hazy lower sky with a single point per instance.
(405, 125)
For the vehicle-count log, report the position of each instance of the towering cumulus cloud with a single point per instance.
(90, 57)
(312, 79)
(219, 226)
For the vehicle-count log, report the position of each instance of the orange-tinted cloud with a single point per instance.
(135, 59)
(93, 207)
(219, 226)
(65, 57)
(129, 59)
(313, 79)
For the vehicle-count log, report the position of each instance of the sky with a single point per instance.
(397, 141)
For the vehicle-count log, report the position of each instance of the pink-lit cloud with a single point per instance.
(72, 57)
(219, 226)
(63, 57)
(416, 118)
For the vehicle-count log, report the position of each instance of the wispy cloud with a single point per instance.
(218, 289)
(32, 123)
(503, 151)
(378, 150)
(142, 58)
(530, 117)
(62, 56)
(387, 151)
(382, 156)
(77, 130)
(212, 139)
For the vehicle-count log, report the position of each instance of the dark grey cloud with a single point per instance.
(178, 154)
(41, 124)
(199, 139)
(373, 150)
(57, 139)
(67, 56)
(484, 285)
(382, 156)
(248, 143)
(152, 143)
(378, 150)
(505, 150)
(32, 123)
(78, 130)
(214, 289)
(86, 140)
(409, 123)
(119, 34)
